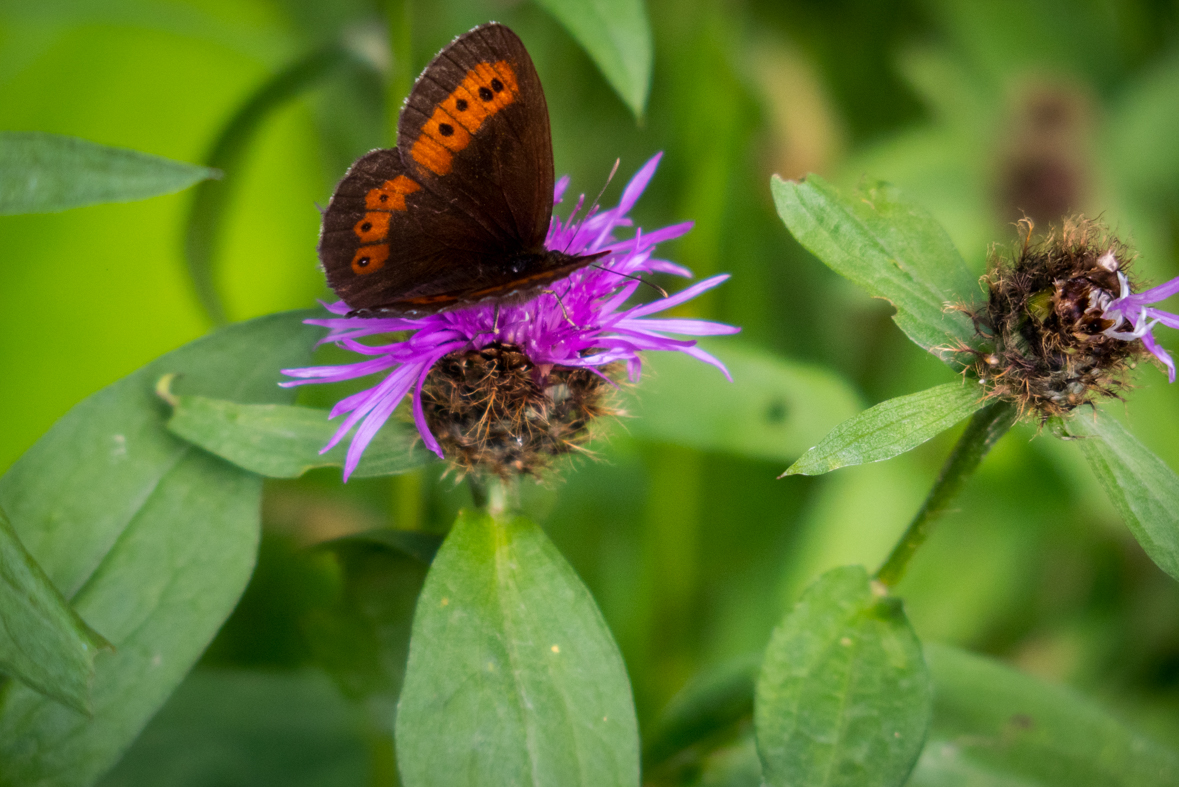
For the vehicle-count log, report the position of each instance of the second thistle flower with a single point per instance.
(1062, 325)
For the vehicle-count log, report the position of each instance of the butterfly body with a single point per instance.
(457, 213)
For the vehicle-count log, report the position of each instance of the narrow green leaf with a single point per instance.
(994, 726)
(43, 642)
(284, 441)
(513, 676)
(711, 703)
(773, 409)
(362, 636)
(43, 173)
(844, 695)
(1139, 484)
(419, 545)
(889, 247)
(151, 539)
(233, 727)
(210, 201)
(617, 35)
(891, 428)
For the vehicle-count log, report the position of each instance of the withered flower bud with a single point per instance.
(1049, 332)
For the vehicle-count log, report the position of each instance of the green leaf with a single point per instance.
(419, 545)
(209, 209)
(844, 694)
(43, 173)
(891, 428)
(362, 637)
(43, 642)
(1139, 484)
(513, 676)
(773, 409)
(715, 701)
(152, 540)
(283, 441)
(994, 726)
(617, 36)
(889, 247)
(232, 727)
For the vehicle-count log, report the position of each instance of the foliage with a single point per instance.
(667, 610)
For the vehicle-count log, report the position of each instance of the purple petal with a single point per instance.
(680, 297)
(1161, 292)
(634, 189)
(1157, 351)
(559, 188)
(685, 326)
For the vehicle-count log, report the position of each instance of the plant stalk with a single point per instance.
(984, 430)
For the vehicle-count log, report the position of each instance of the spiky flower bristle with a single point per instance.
(1042, 331)
(495, 412)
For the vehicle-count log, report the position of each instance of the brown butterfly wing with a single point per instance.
(475, 131)
(458, 212)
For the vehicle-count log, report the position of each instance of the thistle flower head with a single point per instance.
(501, 388)
(1063, 325)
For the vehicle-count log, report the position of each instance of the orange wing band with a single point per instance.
(373, 227)
(370, 258)
(391, 194)
(487, 88)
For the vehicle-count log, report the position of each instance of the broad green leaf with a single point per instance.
(233, 727)
(844, 695)
(1139, 484)
(891, 428)
(617, 36)
(773, 409)
(889, 247)
(43, 642)
(284, 441)
(151, 539)
(994, 726)
(43, 173)
(513, 676)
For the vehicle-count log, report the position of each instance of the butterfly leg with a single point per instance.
(564, 313)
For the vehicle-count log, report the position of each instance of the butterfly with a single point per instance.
(457, 213)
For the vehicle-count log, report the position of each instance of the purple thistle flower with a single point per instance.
(1133, 317)
(588, 327)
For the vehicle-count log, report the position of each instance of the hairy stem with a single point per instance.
(984, 430)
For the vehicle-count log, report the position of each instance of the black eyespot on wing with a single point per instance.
(461, 104)
(497, 86)
(486, 94)
(445, 129)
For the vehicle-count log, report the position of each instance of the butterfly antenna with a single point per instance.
(606, 185)
(639, 279)
(594, 205)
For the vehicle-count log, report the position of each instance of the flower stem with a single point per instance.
(984, 430)
(493, 495)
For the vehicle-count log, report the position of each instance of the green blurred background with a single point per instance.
(979, 111)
